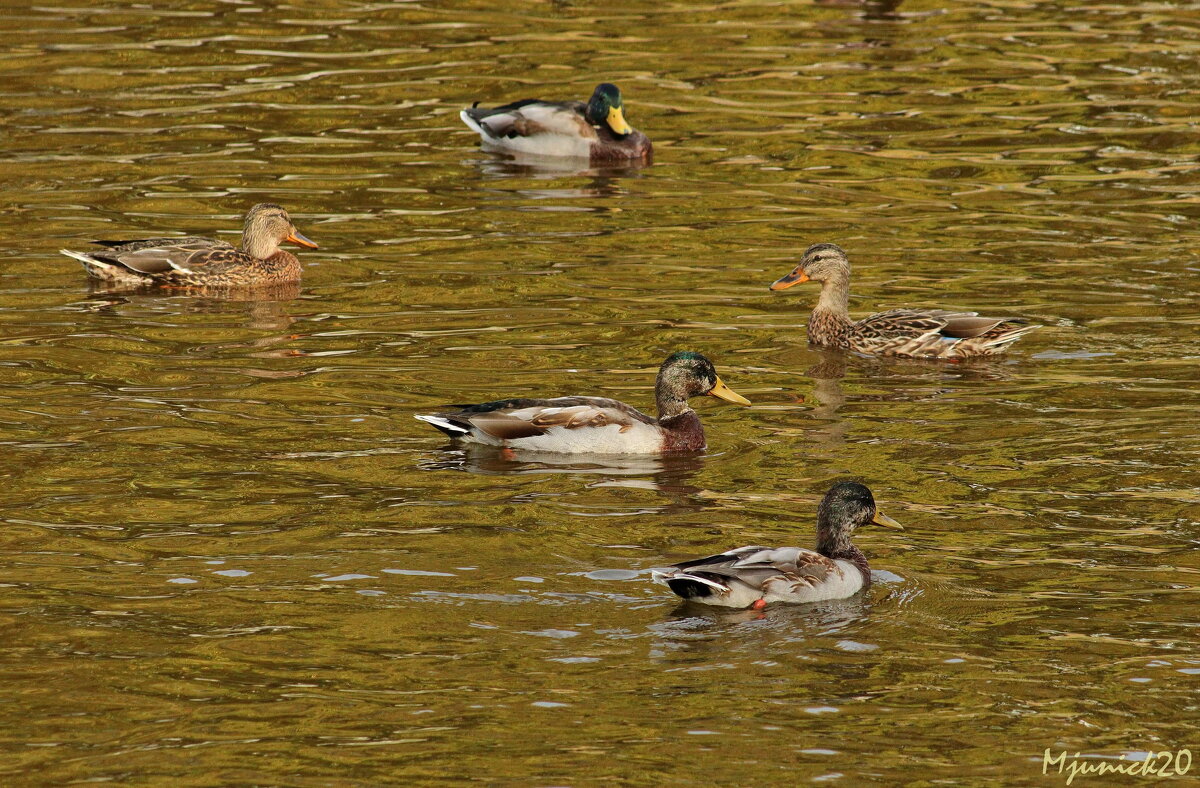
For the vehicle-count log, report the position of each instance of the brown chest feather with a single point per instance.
(683, 433)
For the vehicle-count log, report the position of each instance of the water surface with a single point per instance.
(231, 557)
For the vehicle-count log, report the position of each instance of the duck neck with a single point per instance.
(834, 542)
(258, 246)
(838, 547)
(830, 323)
(670, 405)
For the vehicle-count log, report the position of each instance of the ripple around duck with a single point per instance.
(229, 492)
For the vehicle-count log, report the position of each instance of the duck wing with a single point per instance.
(936, 332)
(164, 255)
(740, 577)
(133, 244)
(529, 118)
(512, 419)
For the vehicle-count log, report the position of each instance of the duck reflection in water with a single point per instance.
(264, 308)
(668, 475)
(272, 293)
(689, 624)
(827, 375)
(872, 10)
(603, 181)
(908, 380)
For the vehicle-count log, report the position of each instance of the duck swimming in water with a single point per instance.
(597, 425)
(908, 333)
(194, 261)
(595, 130)
(756, 576)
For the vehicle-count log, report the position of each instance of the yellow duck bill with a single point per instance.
(882, 519)
(721, 391)
(616, 121)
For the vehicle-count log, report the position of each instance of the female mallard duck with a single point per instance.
(596, 130)
(193, 261)
(910, 333)
(756, 576)
(596, 425)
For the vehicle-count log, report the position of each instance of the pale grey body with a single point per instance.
(756, 576)
(596, 425)
(771, 574)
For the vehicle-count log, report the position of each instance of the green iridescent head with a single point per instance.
(604, 108)
(686, 373)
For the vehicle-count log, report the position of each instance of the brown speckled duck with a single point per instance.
(756, 576)
(596, 131)
(193, 261)
(597, 425)
(908, 333)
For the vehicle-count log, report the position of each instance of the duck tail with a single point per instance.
(453, 429)
(687, 585)
(470, 117)
(83, 257)
(1004, 339)
(98, 269)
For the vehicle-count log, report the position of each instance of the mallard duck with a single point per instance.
(193, 261)
(910, 333)
(596, 425)
(596, 130)
(755, 576)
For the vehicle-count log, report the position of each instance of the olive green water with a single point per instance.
(230, 556)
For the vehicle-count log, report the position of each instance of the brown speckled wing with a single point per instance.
(132, 245)
(218, 261)
(937, 333)
(809, 569)
(897, 323)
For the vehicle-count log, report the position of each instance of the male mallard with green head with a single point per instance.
(596, 130)
(909, 333)
(756, 576)
(193, 261)
(597, 425)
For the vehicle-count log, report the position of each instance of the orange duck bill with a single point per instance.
(296, 238)
(794, 278)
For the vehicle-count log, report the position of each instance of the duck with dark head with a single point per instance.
(595, 130)
(755, 576)
(597, 425)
